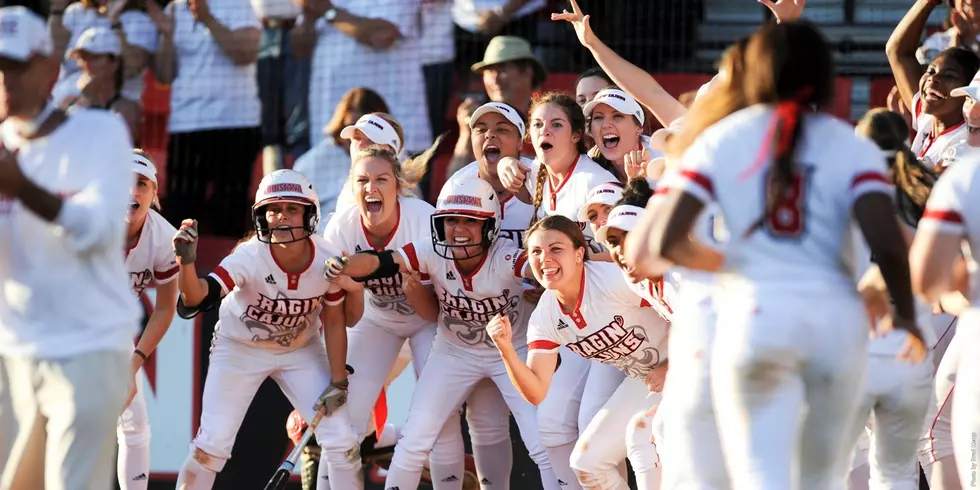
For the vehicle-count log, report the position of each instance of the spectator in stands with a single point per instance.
(478, 21)
(511, 73)
(365, 43)
(127, 18)
(100, 81)
(327, 164)
(937, 116)
(284, 79)
(207, 52)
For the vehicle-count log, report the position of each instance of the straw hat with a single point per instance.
(510, 48)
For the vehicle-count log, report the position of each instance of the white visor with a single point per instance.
(376, 129)
(623, 217)
(504, 110)
(606, 193)
(617, 99)
(144, 167)
(972, 90)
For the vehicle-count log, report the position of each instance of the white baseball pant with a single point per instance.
(777, 355)
(936, 440)
(64, 411)
(579, 389)
(372, 351)
(133, 435)
(608, 440)
(966, 404)
(693, 460)
(8, 423)
(896, 397)
(449, 376)
(235, 372)
(640, 445)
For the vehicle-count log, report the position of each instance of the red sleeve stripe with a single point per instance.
(661, 190)
(424, 276)
(645, 304)
(868, 177)
(413, 258)
(699, 179)
(542, 345)
(225, 278)
(940, 215)
(519, 263)
(336, 296)
(162, 276)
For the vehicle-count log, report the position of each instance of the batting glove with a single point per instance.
(185, 242)
(334, 267)
(334, 397)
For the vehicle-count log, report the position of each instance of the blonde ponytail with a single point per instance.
(414, 168)
(538, 191)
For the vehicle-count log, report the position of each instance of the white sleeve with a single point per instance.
(541, 333)
(165, 266)
(867, 171)
(91, 216)
(418, 255)
(944, 209)
(334, 235)
(694, 175)
(234, 268)
(70, 18)
(241, 15)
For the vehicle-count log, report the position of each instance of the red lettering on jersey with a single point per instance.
(288, 313)
(476, 310)
(609, 343)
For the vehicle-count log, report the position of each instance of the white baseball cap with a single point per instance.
(617, 99)
(23, 34)
(145, 167)
(96, 40)
(707, 86)
(972, 90)
(606, 193)
(500, 108)
(623, 217)
(376, 129)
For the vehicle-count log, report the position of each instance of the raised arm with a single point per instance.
(901, 47)
(239, 43)
(532, 379)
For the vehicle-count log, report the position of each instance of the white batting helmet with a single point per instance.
(469, 198)
(286, 186)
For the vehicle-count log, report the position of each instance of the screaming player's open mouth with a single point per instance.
(373, 204)
(546, 147)
(134, 206)
(610, 141)
(491, 153)
(550, 273)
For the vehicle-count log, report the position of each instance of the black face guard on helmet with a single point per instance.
(442, 247)
(264, 234)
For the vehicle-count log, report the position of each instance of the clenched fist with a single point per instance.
(499, 330)
(185, 242)
(512, 174)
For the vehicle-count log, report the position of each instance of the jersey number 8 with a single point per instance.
(788, 217)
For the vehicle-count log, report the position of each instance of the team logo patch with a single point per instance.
(284, 187)
(464, 201)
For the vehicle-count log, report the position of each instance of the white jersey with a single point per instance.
(468, 301)
(385, 303)
(658, 293)
(515, 216)
(267, 307)
(935, 149)
(954, 207)
(152, 259)
(799, 244)
(610, 323)
(568, 197)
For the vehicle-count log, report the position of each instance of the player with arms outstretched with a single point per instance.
(274, 301)
(475, 277)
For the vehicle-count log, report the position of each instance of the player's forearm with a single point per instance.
(522, 377)
(639, 84)
(193, 289)
(335, 336)
(353, 307)
(159, 322)
(423, 301)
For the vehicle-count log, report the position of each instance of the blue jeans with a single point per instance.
(284, 82)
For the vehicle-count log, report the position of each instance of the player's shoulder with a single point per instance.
(470, 171)
(591, 172)
(159, 225)
(249, 247)
(101, 117)
(601, 272)
(963, 172)
(415, 208)
(546, 310)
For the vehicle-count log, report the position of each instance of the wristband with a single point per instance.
(140, 353)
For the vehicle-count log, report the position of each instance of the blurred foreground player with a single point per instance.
(64, 192)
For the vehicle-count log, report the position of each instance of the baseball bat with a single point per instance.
(281, 478)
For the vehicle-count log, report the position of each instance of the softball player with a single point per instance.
(559, 184)
(370, 129)
(475, 277)
(947, 230)
(589, 309)
(386, 216)
(937, 116)
(616, 125)
(791, 314)
(273, 303)
(598, 204)
(149, 259)
(896, 394)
